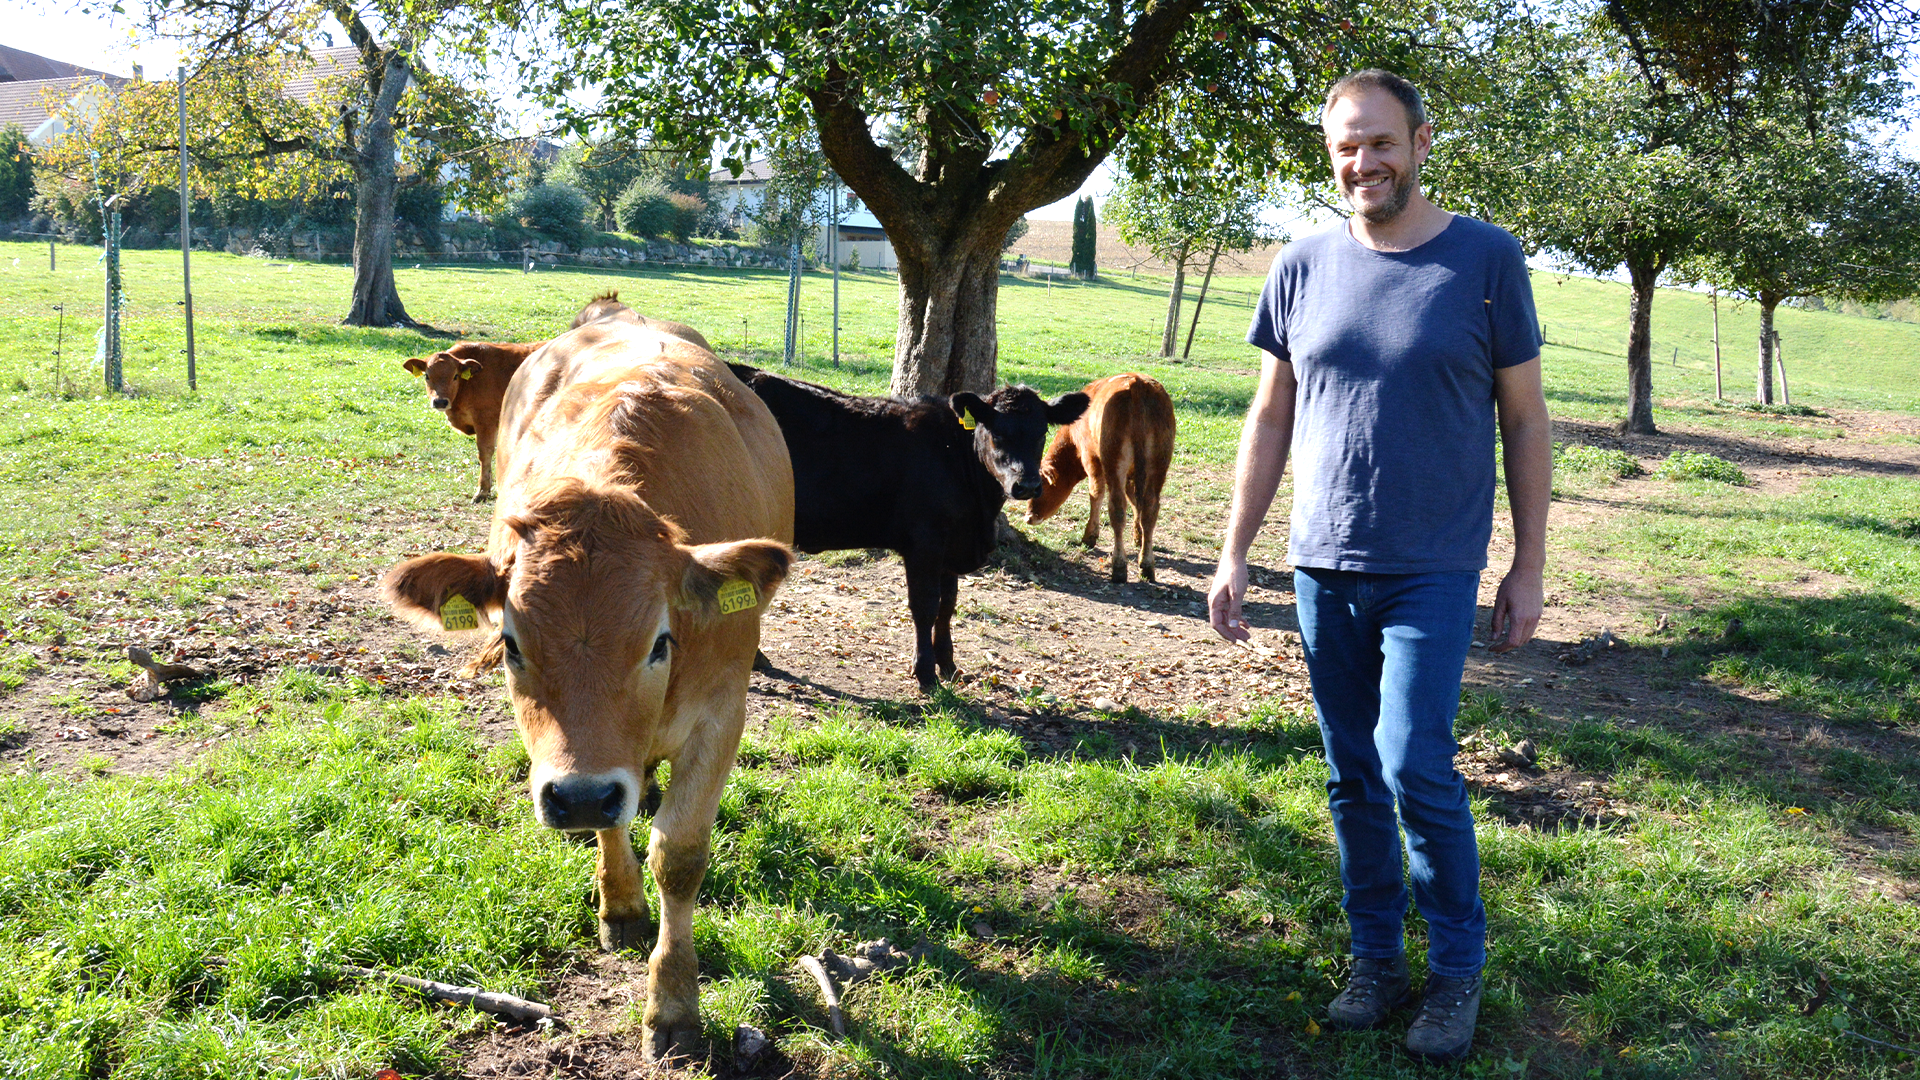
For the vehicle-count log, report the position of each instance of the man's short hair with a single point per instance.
(1378, 79)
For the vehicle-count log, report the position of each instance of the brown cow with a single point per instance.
(1124, 443)
(608, 304)
(646, 507)
(467, 383)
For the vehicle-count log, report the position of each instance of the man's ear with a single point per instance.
(721, 579)
(419, 589)
(1067, 408)
(415, 365)
(970, 408)
(469, 368)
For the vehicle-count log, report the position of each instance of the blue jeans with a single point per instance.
(1386, 653)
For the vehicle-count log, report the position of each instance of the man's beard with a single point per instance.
(1402, 193)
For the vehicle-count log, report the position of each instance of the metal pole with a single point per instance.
(186, 235)
(112, 360)
(793, 294)
(833, 245)
(50, 259)
(1717, 394)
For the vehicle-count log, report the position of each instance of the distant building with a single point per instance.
(44, 97)
(861, 234)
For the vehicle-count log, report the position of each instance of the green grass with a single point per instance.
(1166, 910)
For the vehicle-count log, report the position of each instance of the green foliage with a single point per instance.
(1086, 239)
(554, 209)
(688, 210)
(1581, 457)
(1018, 230)
(16, 173)
(1694, 465)
(644, 209)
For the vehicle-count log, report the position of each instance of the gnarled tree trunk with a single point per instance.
(948, 339)
(371, 152)
(1643, 277)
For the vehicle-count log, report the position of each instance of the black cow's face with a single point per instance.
(1010, 429)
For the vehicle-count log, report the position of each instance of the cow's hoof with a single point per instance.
(624, 935)
(1146, 574)
(484, 496)
(672, 1044)
(1118, 575)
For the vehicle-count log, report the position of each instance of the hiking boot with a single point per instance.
(1374, 989)
(1443, 1029)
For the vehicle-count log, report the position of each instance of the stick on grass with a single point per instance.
(514, 1008)
(818, 970)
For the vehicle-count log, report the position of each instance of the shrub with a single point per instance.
(1782, 410)
(1583, 458)
(554, 209)
(644, 210)
(687, 211)
(1689, 465)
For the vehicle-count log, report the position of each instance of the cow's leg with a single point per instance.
(1146, 508)
(1117, 517)
(924, 602)
(943, 627)
(483, 442)
(1095, 492)
(682, 838)
(623, 902)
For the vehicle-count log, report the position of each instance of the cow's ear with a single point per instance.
(721, 579)
(1067, 408)
(423, 590)
(415, 365)
(970, 408)
(469, 368)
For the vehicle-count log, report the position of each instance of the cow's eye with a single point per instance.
(513, 650)
(661, 645)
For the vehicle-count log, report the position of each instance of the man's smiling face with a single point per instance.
(1376, 158)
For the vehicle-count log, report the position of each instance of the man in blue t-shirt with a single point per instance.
(1390, 348)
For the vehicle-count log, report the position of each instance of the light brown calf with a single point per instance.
(1123, 445)
(467, 382)
(646, 507)
(608, 304)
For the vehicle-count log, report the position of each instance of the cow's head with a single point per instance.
(607, 303)
(1009, 428)
(592, 605)
(444, 373)
(1060, 471)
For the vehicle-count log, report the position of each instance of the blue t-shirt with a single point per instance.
(1393, 422)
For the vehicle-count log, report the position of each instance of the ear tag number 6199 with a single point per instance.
(458, 613)
(737, 595)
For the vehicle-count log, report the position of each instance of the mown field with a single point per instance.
(1148, 894)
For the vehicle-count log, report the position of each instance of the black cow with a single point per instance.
(908, 475)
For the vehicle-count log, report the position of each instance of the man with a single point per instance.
(1388, 347)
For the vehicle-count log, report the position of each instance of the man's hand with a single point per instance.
(1516, 610)
(1223, 601)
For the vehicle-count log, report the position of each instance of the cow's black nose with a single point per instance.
(441, 403)
(582, 802)
(1026, 489)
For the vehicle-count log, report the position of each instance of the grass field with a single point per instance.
(1155, 910)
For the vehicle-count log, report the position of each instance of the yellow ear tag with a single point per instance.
(966, 419)
(737, 595)
(458, 614)
(466, 373)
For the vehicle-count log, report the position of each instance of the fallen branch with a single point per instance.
(514, 1008)
(1880, 1042)
(818, 970)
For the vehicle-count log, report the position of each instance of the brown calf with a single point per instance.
(1123, 444)
(608, 304)
(467, 383)
(646, 505)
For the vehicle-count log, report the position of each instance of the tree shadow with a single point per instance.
(1735, 448)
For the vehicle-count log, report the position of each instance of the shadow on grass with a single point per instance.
(1797, 701)
(1731, 447)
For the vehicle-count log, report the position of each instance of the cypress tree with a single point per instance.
(1085, 238)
